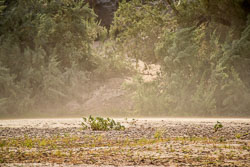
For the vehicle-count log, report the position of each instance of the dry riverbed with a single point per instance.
(144, 142)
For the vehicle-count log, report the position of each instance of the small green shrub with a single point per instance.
(217, 126)
(101, 124)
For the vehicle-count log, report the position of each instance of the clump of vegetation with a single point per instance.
(202, 47)
(218, 126)
(102, 124)
(204, 55)
(44, 52)
(137, 25)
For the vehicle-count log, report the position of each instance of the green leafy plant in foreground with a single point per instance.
(100, 123)
(217, 126)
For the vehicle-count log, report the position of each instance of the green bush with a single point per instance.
(59, 28)
(101, 124)
(137, 27)
(218, 126)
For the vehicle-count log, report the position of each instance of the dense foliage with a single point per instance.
(44, 50)
(47, 54)
(137, 27)
(203, 47)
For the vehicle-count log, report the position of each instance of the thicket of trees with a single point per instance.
(44, 51)
(203, 47)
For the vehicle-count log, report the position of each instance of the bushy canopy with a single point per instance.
(203, 47)
(42, 42)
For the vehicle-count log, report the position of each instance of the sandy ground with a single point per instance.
(144, 142)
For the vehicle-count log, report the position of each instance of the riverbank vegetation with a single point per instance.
(203, 49)
(202, 46)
